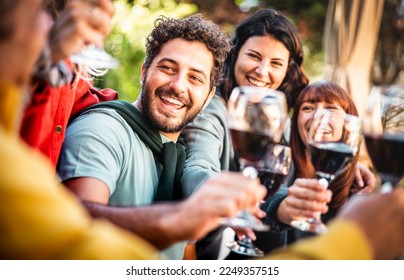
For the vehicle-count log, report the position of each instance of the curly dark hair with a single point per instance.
(269, 22)
(192, 28)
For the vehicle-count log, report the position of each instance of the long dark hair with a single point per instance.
(329, 92)
(268, 22)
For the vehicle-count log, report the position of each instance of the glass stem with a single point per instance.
(386, 187)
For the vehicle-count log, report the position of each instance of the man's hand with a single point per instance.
(221, 196)
(381, 218)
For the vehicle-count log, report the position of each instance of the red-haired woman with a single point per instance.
(302, 196)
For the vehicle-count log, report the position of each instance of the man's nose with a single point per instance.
(178, 84)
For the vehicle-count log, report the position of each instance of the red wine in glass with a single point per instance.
(329, 158)
(387, 154)
(271, 180)
(250, 147)
(384, 133)
(274, 167)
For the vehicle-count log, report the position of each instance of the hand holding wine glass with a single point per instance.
(384, 133)
(333, 140)
(272, 170)
(306, 198)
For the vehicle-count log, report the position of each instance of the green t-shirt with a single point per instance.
(100, 144)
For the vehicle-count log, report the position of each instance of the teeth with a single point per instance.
(256, 82)
(325, 130)
(172, 100)
(322, 130)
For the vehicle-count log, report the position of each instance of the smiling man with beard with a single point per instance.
(121, 172)
(173, 93)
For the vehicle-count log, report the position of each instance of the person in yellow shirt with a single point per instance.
(40, 219)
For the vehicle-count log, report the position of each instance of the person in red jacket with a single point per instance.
(62, 89)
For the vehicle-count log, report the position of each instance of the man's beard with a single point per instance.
(162, 123)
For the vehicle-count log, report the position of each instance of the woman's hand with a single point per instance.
(365, 180)
(306, 198)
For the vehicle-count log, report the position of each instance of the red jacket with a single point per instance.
(46, 117)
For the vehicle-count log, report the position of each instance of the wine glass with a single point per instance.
(383, 126)
(272, 170)
(274, 167)
(334, 139)
(96, 59)
(256, 119)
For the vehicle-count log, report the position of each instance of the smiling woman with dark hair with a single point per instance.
(265, 25)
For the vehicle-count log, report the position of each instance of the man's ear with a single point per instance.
(142, 73)
(211, 94)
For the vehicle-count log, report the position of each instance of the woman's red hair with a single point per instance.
(328, 92)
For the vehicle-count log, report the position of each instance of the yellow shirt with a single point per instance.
(39, 218)
(343, 241)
